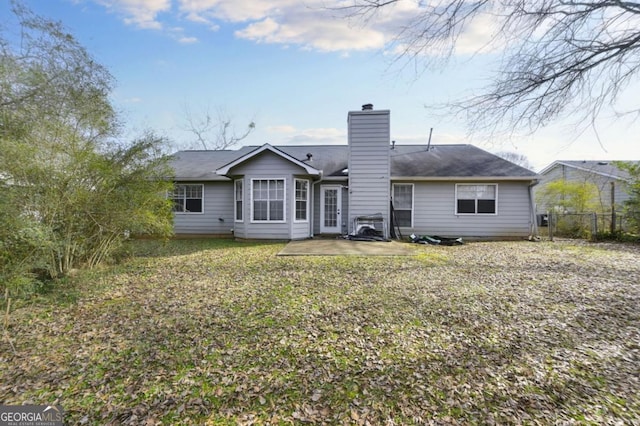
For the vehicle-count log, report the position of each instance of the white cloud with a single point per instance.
(285, 128)
(308, 24)
(194, 17)
(259, 30)
(237, 10)
(178, 34)
(317, 136)
(187, 40)
(479, 36)
(141, 13)
(318, 34)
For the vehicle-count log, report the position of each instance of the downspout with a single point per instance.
(532, 209)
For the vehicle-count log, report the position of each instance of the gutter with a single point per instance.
(333, 178)
(202, 179)
(466, 178)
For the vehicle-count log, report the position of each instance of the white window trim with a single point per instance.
(413, 200)
(293, 208)
(190, 184)
(455, 201)
(235, 200)
(284, 201)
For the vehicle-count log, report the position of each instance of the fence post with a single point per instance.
(613, 207)
(613, 221)
(550, 224)
(594, 226)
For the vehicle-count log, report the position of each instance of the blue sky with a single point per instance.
(296, 70)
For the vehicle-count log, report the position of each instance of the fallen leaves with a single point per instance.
(219, 332)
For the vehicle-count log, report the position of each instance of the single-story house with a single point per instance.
(298, 192)
(612, 182)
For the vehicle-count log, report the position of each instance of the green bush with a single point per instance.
(70, 190)
(23, 243)
(632, 205)
(619, 236)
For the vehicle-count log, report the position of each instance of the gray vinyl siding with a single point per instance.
(300, 230)
(269, 166)
(603, 183)
(239, 230)
(266, 164)
(217, 204)
(369, 164)
(435, 206)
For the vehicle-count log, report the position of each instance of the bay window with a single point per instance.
(268, 200)
(302, 200)
(238, 198)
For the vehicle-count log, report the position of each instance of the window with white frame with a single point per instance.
(476, 198)
(403, 204)
(187, 198)
(268, 200)
(238, 198)
(302, 200)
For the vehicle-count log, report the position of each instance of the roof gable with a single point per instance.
(224, 170)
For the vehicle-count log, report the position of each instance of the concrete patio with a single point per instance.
(340, 247)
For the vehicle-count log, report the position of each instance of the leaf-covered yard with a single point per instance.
(222, 332)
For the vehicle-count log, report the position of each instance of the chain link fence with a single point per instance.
(582, 225)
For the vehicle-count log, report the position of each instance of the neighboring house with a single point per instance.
(297, 192)
(612, 183)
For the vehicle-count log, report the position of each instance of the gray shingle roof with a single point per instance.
(202, 165)
(602, 167)
(452, 161)
(415, 161)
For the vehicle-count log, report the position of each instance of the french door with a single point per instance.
(330, 207)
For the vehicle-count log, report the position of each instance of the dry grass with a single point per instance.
(218, 332)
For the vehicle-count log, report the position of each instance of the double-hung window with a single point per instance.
(187, 198)
(476, 198)
(302, 200)
(403, 204)
(267, 200)
(238, 200)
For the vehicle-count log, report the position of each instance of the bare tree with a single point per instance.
(519, 159)
(560, 57)
(214, 132)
